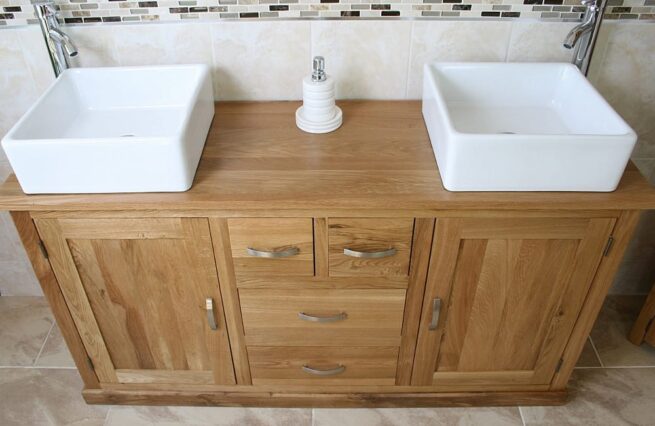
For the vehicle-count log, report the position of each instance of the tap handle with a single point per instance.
(318, 66)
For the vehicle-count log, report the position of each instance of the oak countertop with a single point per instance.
(256, 161)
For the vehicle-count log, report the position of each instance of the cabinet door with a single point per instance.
(144, 296)
(502, 297)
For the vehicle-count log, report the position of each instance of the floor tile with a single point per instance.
(610, 331)
(196, 416)
(588, 356)
(25, 321)
(417, 416)
(35, 397)
(55, 353)
(612, 397)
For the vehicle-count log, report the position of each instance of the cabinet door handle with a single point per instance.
(369, 254)
(330, 372)
(211, 318)
(436, 313)
(292, 251)
(338, 317)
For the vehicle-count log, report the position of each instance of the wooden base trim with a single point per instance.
(325, 400)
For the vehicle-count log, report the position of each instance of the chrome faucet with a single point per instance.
(60, 46)
(583, 36)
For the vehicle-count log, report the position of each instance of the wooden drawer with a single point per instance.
(288, 243)
(369, 247)
(347, 317)
(323, 365)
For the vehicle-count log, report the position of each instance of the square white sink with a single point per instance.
(522, 127)
(129, 129)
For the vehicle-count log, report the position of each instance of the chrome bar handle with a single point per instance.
(313, 318)
(369, 254)
(211, 318)
(330, 372)
(436, 313)
(292, 251)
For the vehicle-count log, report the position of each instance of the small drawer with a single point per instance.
(369, 247)
(272, 246)
(323, 365)
(322, 317)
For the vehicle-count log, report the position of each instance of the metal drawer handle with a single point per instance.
(369, 254)
(292, 251)
(211, 318)
(338, 317)
(436, 313)
(331, 372)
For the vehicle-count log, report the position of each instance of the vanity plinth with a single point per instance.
(326, 270)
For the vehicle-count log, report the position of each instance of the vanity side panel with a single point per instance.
(31, 241)
(228, 283)
(621, 234)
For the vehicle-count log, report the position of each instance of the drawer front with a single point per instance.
(369, 247)
(323, 365)
(322, 317)
(272, 246)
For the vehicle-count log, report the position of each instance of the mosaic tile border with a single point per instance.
(19, 12)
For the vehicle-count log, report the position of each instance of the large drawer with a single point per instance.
(272, 246)
(324, 317)
(323, 365)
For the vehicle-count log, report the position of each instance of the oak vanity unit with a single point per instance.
(326, 270)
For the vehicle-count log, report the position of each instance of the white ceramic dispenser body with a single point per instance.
(319, 113)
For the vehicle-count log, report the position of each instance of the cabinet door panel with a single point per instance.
(144, 284)
(510, 295)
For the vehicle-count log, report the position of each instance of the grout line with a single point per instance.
(409, 60)
(596, 351)
(521, 414)
(617, 367)
(47, 336)
(509, 41)
(35, 367)
(106, 422)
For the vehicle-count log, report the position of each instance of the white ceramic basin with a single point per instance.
(522, 127)
(131, 129)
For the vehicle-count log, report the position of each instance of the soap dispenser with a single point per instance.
(318, 113)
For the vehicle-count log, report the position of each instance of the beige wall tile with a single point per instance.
(55, 353)
(602, 397)
(36, 57)
(17, 85)
(26, 322)
(179, 416)
(95, 45)
(534, 41)
(175, 43)
(262, 60)
(612, 326)
(46, 397)
(636, 274)
(16, 274)
(417, 416)
(625, 78)
(588, 356)
(451, 41)
(368, 59)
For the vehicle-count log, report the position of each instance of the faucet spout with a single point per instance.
(60, 46)
(62, 38)
(578, 31)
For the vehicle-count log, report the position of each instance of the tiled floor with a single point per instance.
(614, 384)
